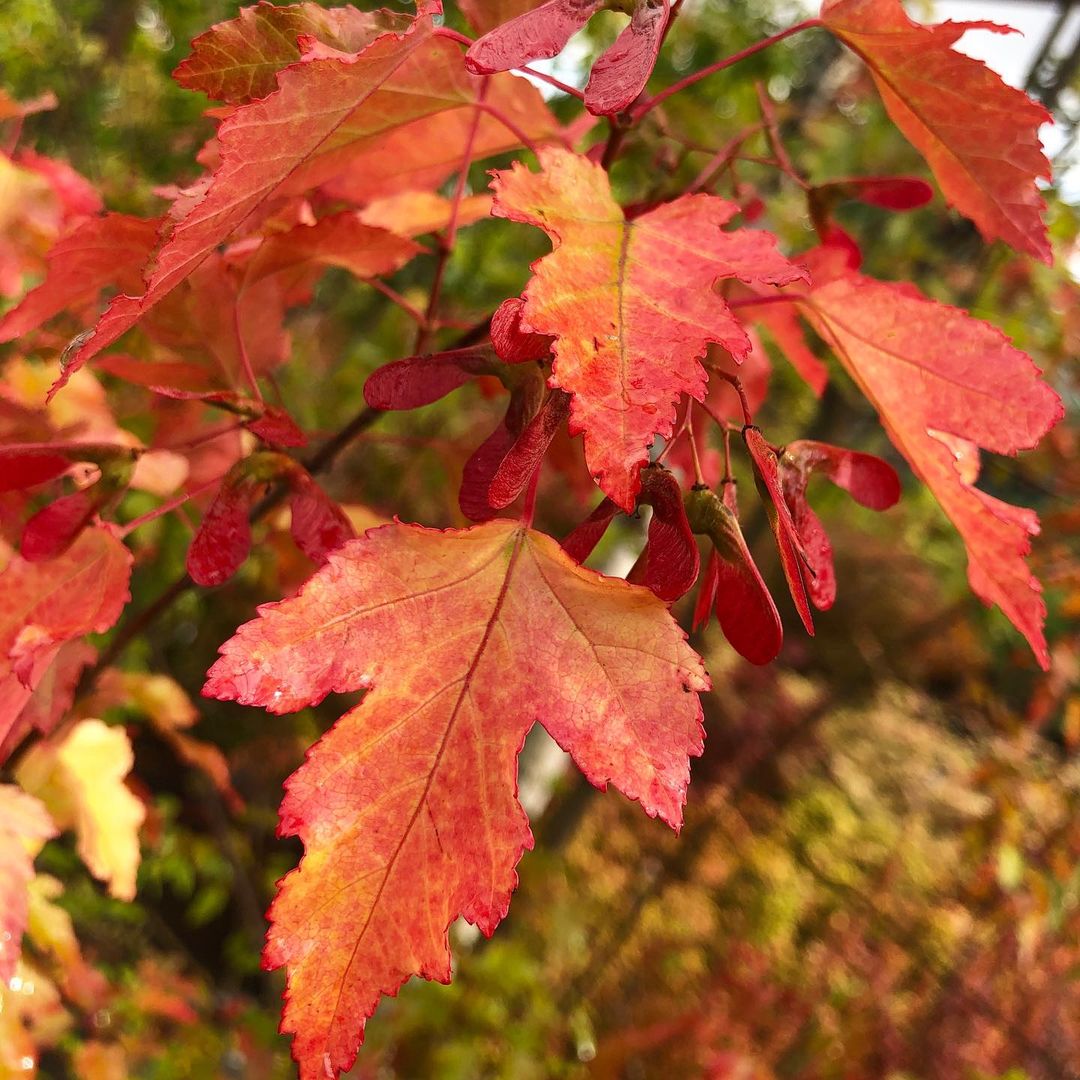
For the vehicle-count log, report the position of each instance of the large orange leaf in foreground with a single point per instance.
(631, 302)
(407, 807)
(980, 136)
(945, 384)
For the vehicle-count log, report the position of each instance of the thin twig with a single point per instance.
(697, 76)
(446, 241)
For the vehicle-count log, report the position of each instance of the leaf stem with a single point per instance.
(736, 382)
(245, 360)
(446, 242)
(396, 298)
(543, 76)
(779, 298)
(722, 157)
(167, 507)
(529, 509)
(699, 476)
(727, 62)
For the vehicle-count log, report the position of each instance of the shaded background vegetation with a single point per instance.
(880, 870)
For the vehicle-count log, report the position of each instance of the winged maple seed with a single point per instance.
(407, 808)
(618, 76)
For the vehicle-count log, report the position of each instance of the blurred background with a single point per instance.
(879, 874)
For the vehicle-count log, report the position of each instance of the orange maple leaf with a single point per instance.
(407, 806)
(631, 303)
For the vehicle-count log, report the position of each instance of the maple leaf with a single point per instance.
(332, 113)
(99, 252)
(781, 323)
(42, 198)
(44, 604)
(24, 826)
(171, 713)
(630, 302)
(978, 135)
(617, 77)
(413, 213)
(80, 778)
(407, 806)
(974, 390)
(483, 15)
(238, 60)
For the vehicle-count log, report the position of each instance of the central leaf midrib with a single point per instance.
(500, 599)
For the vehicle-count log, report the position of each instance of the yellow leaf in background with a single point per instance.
(80, 778)
(24, 828)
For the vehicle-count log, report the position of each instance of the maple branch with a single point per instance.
(614, 142)
(727, 62)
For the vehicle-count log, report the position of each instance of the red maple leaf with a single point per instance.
(237, 61)
(44, 604)
(945, 384)
(333, 113)
(979, 136)
(630, 303)
(407, 807)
